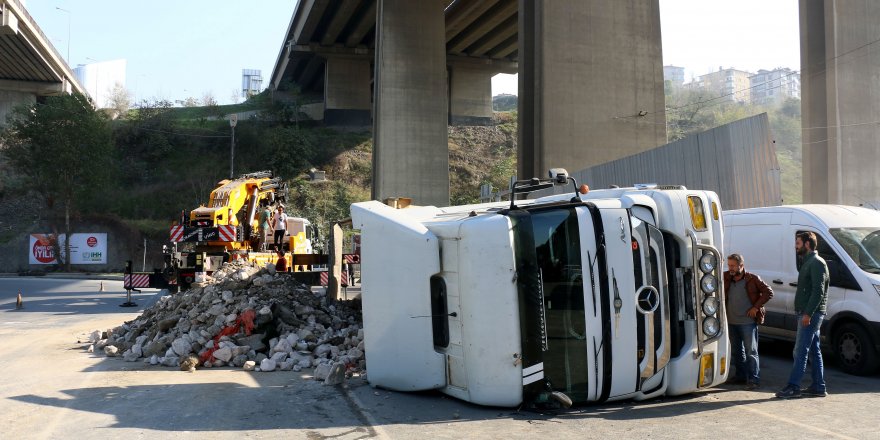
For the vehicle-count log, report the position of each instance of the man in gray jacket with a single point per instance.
(809, 303)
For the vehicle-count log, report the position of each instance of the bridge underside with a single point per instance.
(30, 66)
(590, 72)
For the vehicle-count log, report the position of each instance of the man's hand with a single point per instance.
(753, 312)
(805, 320)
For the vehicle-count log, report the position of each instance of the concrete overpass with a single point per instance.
(590, 72)
(329, 51)
(30, 67)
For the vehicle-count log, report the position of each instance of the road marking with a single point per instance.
(794, 422)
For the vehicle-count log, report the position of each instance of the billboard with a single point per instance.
(85, 248)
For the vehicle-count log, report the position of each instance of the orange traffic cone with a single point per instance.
(19, 304)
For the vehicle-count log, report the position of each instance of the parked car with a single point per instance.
(849, 241)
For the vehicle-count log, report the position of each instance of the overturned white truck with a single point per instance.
(609, 295)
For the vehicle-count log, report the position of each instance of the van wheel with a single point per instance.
(855, 350)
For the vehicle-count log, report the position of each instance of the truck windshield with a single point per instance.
(862, 245)
(558, 251)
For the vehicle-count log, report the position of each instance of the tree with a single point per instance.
(120, 101)
(63, 147)
(208, 99)
(236, 96)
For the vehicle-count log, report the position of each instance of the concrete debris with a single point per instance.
(244, 317)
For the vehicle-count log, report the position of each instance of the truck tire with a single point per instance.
(856, 353)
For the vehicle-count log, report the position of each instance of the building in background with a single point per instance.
(768, 86)
(100, 78)
(731, 85)
(251, 82)
(674, 75)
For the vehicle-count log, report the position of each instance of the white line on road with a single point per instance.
(793, 422)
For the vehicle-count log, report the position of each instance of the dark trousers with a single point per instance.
(279, 238)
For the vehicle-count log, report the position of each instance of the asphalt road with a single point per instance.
(52, 388)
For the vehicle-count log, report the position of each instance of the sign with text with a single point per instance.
(85, 248)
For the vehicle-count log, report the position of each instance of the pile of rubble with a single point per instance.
(245, 317)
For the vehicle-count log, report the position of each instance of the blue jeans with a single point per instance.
(744, 351)
(806, 347)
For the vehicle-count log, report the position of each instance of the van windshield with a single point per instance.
(862, 244)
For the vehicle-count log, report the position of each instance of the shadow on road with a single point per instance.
(81, 302)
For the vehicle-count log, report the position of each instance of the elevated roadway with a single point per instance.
(30, 67)
(590, 70)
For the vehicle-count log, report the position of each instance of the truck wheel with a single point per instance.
(855, 350)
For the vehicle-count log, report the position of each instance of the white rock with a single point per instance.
(95, 336)
(91, 348)
(322, 350)
(286, 365)
(227, 296)
(355, 354)
(283, 346)
(171, 361)
(271, 269)
(237, 351)
(267, 365)
(361, 334)
(302, 345)
(360, 346)
(216, 309)
(265, 310)
(231, 318)
(154, 360)
(181, 346)
(223, 354)
(129, 356)
(111, 351)
(336, 375)
(321, 371)
(249, 366)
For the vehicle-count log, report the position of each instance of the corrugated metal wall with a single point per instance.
(736, 160)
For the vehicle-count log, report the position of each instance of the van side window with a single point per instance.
(840, 274)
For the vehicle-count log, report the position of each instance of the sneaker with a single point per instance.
(751, 386)
(789, 392)
(813, 392)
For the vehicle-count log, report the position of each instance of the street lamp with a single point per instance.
(68, 32)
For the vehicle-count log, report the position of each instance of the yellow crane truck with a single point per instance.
(227, 229)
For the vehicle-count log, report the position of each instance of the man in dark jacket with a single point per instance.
(809, 303)
(746, 296)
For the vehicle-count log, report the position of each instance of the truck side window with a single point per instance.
(839, 273)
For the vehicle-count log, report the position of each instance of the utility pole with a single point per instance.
(233, 119)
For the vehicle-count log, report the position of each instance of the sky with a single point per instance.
(186, 48)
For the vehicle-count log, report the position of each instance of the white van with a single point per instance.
(849, 241)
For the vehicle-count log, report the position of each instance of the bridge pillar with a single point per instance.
(410, 152)
(470, 97)
(347, 91)
(590, 83)
(10, 99)
(840, 102)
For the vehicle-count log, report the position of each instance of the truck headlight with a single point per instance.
(709, 283)
(710, 327)
(710, 305)
(707, 262)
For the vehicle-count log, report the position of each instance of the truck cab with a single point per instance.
(608, 295)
